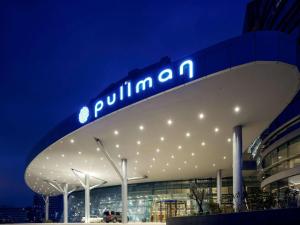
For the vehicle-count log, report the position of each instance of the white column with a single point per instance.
(124, 190)
(237, 160)
(87, 198)
(46, 208)
(65, 203)
(219, 187)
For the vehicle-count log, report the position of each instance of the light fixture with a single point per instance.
(216, 130)
(196, 166)
(47, 157)
(101, 158)
(141, 127)
(162, 138)
(187, 134)
(169, 122)
(79, 153)
(157, 150)
(62, 155)
(137, 153)
(179, 168)
(201, 116)
(136, 161)
(117, 146)
(116, 132)
(164, 170)
(119, 156)
(72, 141)
(98, 149)
(179, 147)
(224, 157)
(134, 168)
(138, 142)
(151, 166)
(228, 139)
(185, 162)
(153, 159)
(172, 156)
(214, 164)
(202, 143)
(237, 109)
(192, 154)
(167, 164)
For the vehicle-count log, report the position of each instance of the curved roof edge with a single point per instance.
(250, 47)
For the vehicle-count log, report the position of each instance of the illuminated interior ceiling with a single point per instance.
(179, 134)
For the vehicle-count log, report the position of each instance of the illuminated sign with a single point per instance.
(136, 89)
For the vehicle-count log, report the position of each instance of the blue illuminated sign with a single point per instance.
(134, 90)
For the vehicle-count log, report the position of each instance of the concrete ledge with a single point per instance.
(266, 217)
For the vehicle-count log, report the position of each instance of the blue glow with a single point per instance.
(142, 83)
(189, 64)
(165, 75)
(109, 101)
(98, 107)
(84, 114)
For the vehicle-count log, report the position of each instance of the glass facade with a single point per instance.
(286, 156)
(150, 202)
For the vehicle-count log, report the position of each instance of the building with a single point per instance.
(142, 143)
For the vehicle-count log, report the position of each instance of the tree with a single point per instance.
(197, 194)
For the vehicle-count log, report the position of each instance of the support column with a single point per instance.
(87, 198)
(237, 161)
(65, 188)
(219, 187)
(46, 208)
(124, 190)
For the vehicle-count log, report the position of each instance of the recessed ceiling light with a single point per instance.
(179, 147)
(119, 156)
(157, 150)
(196, 166)
(216, 130)
(237, 109)
(162, 138)
(185, 162)
(224, 157)
(167, 164)
(164, 170)
(72, 141)
(136, 161)
(117, 146)
(134, 168)
(116, 132)
(187, 134)
(214, 164)
(169, 122)
(228, 139)
(47, 157)
(172, 156)
(138, 142)
(141, 127)
(62, 155)
(201, 116)
(153, 159)
(151, 166)
(98, 149)
(148, 171)
(137, 153)
(203, 143)
(101, 158)
(192, 154)
(179, 168)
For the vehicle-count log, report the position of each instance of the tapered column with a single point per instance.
(237, 160)
(46, 208)
(124, 190)
(87, 198)
(65, 188)
(219, 187)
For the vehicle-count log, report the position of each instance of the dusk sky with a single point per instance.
(57, 55)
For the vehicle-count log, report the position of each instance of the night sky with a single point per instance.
(57, 55)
